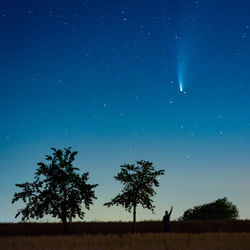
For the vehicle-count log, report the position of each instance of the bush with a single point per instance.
(219, 209)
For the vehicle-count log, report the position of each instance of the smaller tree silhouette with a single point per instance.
(139, 182)
(219, 209)
(57, 190)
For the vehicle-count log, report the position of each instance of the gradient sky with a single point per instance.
(103, 77)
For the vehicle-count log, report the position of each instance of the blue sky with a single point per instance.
(103, 77)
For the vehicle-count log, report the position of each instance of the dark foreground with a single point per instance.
(150, 241)
(79, 228)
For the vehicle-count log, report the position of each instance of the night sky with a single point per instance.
(166, 81)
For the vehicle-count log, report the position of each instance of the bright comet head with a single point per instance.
(180, 74)
(180, 81)
(181, 87)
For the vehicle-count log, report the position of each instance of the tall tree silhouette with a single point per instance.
(57, 190)
(139, 181)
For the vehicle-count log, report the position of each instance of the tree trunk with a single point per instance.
(134, 219)
(65, 225)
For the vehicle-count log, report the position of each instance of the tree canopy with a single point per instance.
(139, 182)
(57, 190)
(219, 209)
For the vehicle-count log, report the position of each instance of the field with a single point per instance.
(79, 228)
(172, 241)
(192, 235)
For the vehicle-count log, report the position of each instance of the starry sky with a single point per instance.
(105, 77)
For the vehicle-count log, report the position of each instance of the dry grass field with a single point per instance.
(158, 241)
(79, 228)
(192, 235)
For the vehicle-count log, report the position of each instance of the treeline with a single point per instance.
(78, 228)
(59, 190)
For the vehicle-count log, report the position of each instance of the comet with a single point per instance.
(181, 70)
(180, 81)
(181, 86)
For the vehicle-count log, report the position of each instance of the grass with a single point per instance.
(79, 228)
(191, 235)
(171, 241)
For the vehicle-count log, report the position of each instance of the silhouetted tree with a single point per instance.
(57, 190)
(139, 182)
(219, 209)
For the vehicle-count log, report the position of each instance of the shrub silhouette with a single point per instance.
(219, 209)
(57, 190)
